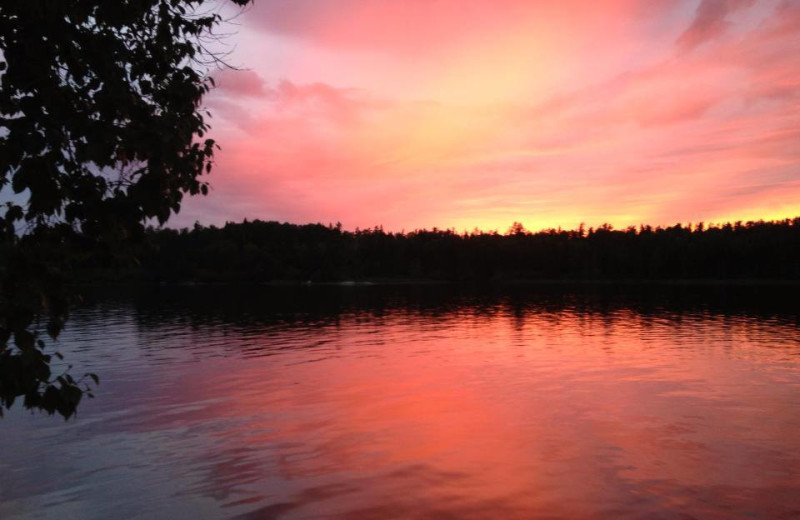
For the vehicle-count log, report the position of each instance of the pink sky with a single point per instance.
(468, 113)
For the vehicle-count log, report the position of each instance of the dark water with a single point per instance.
(421, 402)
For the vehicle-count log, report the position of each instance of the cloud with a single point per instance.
(423, 27)
(342, 105)
(245, 83)
(710, 21)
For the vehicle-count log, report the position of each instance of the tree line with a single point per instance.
(258, 251)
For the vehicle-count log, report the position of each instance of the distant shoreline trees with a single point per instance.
(258, 251)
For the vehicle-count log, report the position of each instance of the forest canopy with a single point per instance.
(260, 251)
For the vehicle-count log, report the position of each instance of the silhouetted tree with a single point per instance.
(101, 129)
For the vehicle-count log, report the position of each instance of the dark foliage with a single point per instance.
(270, 251)
(101, 129)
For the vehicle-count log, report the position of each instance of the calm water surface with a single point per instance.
(426, 402)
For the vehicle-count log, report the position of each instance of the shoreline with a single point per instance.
(629, 282)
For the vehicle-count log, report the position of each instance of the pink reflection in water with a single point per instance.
(470, 414)
(561, 416)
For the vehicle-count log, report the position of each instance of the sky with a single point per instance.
(474, 113)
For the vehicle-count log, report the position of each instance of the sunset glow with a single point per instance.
(472, 114)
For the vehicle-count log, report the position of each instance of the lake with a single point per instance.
(421, 402)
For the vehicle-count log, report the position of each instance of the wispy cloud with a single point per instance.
(710, 21)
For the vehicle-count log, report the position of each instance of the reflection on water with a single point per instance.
(423, 402)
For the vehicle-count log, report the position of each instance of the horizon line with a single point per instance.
(691, 225)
